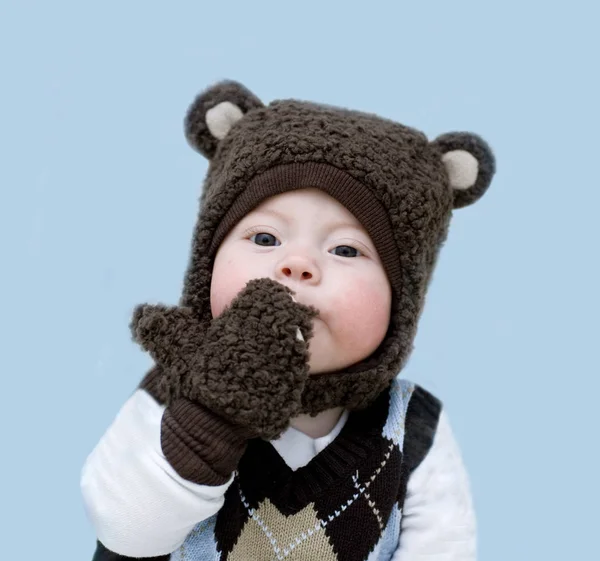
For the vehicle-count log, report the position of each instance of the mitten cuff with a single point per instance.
(201, 446)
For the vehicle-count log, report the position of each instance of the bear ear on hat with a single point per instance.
(469, 163)
(214, 111)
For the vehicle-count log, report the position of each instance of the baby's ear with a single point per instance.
(470, 165)
(213, 113)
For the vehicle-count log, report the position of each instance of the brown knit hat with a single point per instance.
(400, 186)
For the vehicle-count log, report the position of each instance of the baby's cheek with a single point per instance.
(225, 286)
(364, 316)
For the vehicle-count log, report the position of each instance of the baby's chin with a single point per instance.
(322, 367)
(325, 362)
(326, 356)
(322, 353)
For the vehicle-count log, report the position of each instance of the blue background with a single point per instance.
(99, 195)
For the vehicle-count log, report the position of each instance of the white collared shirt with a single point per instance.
(298, 449)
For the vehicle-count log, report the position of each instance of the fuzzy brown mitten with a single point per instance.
(240, 377)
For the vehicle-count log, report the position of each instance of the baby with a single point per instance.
(274, 423)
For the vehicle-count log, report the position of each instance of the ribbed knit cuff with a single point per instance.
(201, 446)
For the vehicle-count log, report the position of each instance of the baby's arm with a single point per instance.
(139, 505)
(438, 517)
(158, 471)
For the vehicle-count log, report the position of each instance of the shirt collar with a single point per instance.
(298, 449)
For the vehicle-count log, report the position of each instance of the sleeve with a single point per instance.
(138, 504)
(438, 521)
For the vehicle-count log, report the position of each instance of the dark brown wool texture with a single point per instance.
(390, 176)
(249, 365)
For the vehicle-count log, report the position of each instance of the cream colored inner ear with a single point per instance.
(221, 117)
(462, 168)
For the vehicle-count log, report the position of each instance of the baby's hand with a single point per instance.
(249, 366)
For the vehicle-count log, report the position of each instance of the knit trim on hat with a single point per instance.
(355, 196)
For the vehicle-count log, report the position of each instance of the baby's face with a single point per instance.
(308, 241)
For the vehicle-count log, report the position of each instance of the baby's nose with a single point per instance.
(299, 269)
(296, 273)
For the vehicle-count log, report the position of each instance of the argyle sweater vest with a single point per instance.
(345, 505)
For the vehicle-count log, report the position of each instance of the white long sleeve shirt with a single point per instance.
(140, 507)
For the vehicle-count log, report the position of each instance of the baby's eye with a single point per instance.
(345, 251)
(264, 239)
